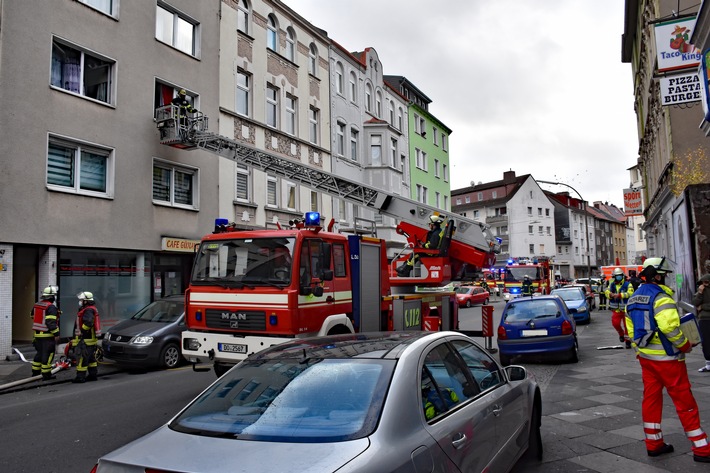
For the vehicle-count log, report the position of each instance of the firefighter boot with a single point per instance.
(404, 270)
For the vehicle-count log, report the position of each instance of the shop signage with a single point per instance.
(179, 244)
(682, 88)
(703, 75)
(674, 50)
(633, 204)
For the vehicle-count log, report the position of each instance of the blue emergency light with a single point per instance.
(312, 219)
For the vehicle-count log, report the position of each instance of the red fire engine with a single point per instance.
(253, 289)
(537, 269)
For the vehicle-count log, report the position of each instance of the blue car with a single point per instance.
(577, 303)
(537, 326)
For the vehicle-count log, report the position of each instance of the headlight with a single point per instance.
(582, 309)
(142, 341)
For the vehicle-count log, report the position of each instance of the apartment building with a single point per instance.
(91, 200)
(574, 237)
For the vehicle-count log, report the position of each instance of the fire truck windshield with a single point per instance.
(517, 273)
(244, 261)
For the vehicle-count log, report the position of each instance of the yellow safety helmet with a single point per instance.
(182, 92)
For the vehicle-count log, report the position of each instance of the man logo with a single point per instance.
(234, 316)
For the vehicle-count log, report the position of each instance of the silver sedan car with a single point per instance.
(370, 402)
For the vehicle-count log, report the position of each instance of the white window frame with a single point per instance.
(272, 186)
(445, 170)
(291, 118)
(290, 51)
(173, 169)
(313, 60)
(77, 147)
(353, 87)
(100, 5)
(272, 34)
(243, 92)
(56, 74)
(179, 22)
(290, 195)
(354, 138)
(339, 85)
(436, 168)
(376, 150)
(313, 117)
(444, 142)
(340, 138)
(394, 151)
(435, 132)
(315, 201)
(242, 188)
(368, 97)
(378, 104)
(272, 104)
(243, 16)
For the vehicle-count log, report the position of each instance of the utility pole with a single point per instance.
(586, 223)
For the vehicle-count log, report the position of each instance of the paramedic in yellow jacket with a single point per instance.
(617, 293)
(653, 324)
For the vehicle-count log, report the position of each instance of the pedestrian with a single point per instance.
(634, 279)
(701, 300)
(45, 323)
(653, 323)
(433, 241)
(184, 107)
(602, 293)
(526, 288)
(86, 331)
(618, 293)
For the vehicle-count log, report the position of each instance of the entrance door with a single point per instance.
(171, 274)
(24, 292)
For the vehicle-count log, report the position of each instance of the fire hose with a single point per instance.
(62, 364)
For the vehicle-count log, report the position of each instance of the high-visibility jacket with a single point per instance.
(624, 288)
(44, 319)
(88, 324)
(653, 324)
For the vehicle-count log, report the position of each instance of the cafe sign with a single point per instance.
(179, 244)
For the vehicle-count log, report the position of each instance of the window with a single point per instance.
(548, 230)
(313, 125)
(376, 150)
(421, 159)
(272, 34)
(400, 119)
(436, 168)
(542, 249)
(422, 194)
(242, 16)
(312, 60)
(314, 201)
(353, 87)
(458, 201)
(290, 44)
(290, 195)
(165, 93)
(340, 138)
(80, 168)
(422, 127)
(530, 211)
(391, 112)
(494, 194)
(78, 71)
(476, 214)
(271, 191)
(468, 199)
(547, 212)
(446, 203)
(272, 105)
(291, 106)
(484, 371)
(442, 381)
(175, 29)
(444, 142)
(445, 170)
(242, 192)
(480, 196)
(339, 78)
(539, 212)
(110, 7)
(368, 97)
(243, 93)
(378, 104)
(437, 199)
(435, 134)
(354, 137)
(531, 249)
(530, 229)
(539, 229)
(174, 185)
(393, 153)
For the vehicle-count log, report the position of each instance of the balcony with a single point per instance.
(496, 219)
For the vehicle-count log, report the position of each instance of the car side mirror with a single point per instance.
(318, 291)
(516, 373)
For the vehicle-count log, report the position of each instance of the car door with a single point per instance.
(508, 402)
(464, 427)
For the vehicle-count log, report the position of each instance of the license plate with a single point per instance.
(232, 348)
(534, 333)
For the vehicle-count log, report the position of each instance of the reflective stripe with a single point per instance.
(694, 433)
(658, 436)
(650, 425)
(673, 333)
(661, 356)
(700, 443)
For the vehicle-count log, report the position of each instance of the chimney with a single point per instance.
(509, 176)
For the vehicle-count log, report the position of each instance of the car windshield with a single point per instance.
(529, 309)
(244, 262)
(569, 294)
(165, 311)
(464, 289)
(291, 400)
(518, 273)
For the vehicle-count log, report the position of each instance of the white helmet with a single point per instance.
(50, 291)
(86, 296)
(659, 264)
(617, 272)
(436, 218)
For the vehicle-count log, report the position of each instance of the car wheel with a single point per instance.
(485, 302)
(468, 303)
(170, 356)
(220, 369)
(574, 353)
(504, 359)
(535, 438)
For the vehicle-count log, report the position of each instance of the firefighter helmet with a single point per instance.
(661, 265)
(50, 291)
(85, 296)
(436, 218)
(617, 272)
(182, 92)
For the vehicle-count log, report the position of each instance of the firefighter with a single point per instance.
(184, 107)
(45, 323)
(526, 289)
(86, 331)
(634, 279)
(618, 293)
(432, 401)
(433, 241)
(654, 325)
(602, 293)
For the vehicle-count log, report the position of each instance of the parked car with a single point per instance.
(149, 338)
(540, 326)
(576, 301)
(367, 402)
(589, 293)
(469, 295)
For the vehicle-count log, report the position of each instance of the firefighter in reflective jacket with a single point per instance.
(45, 323)
(86, 331)
(433, 404)
(526, 288)
(433, 241)
(184, 107)
(653, 324)
(618, 293)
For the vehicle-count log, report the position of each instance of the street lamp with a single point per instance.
(586, 223)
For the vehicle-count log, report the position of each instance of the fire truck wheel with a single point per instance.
(220, 369)
(338, 330)
(170, 356)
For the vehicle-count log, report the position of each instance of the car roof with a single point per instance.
(360, 345)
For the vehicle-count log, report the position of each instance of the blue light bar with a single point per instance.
(220, 221)
(312, 219)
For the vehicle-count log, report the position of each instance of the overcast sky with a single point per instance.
(536, 86)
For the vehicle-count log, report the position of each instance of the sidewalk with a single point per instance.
(592, 411)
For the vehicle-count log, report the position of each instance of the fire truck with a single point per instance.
(251, 289)
(607, 270)
(537, 269)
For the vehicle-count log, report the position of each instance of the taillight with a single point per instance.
(502, 335)
(566, 328)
